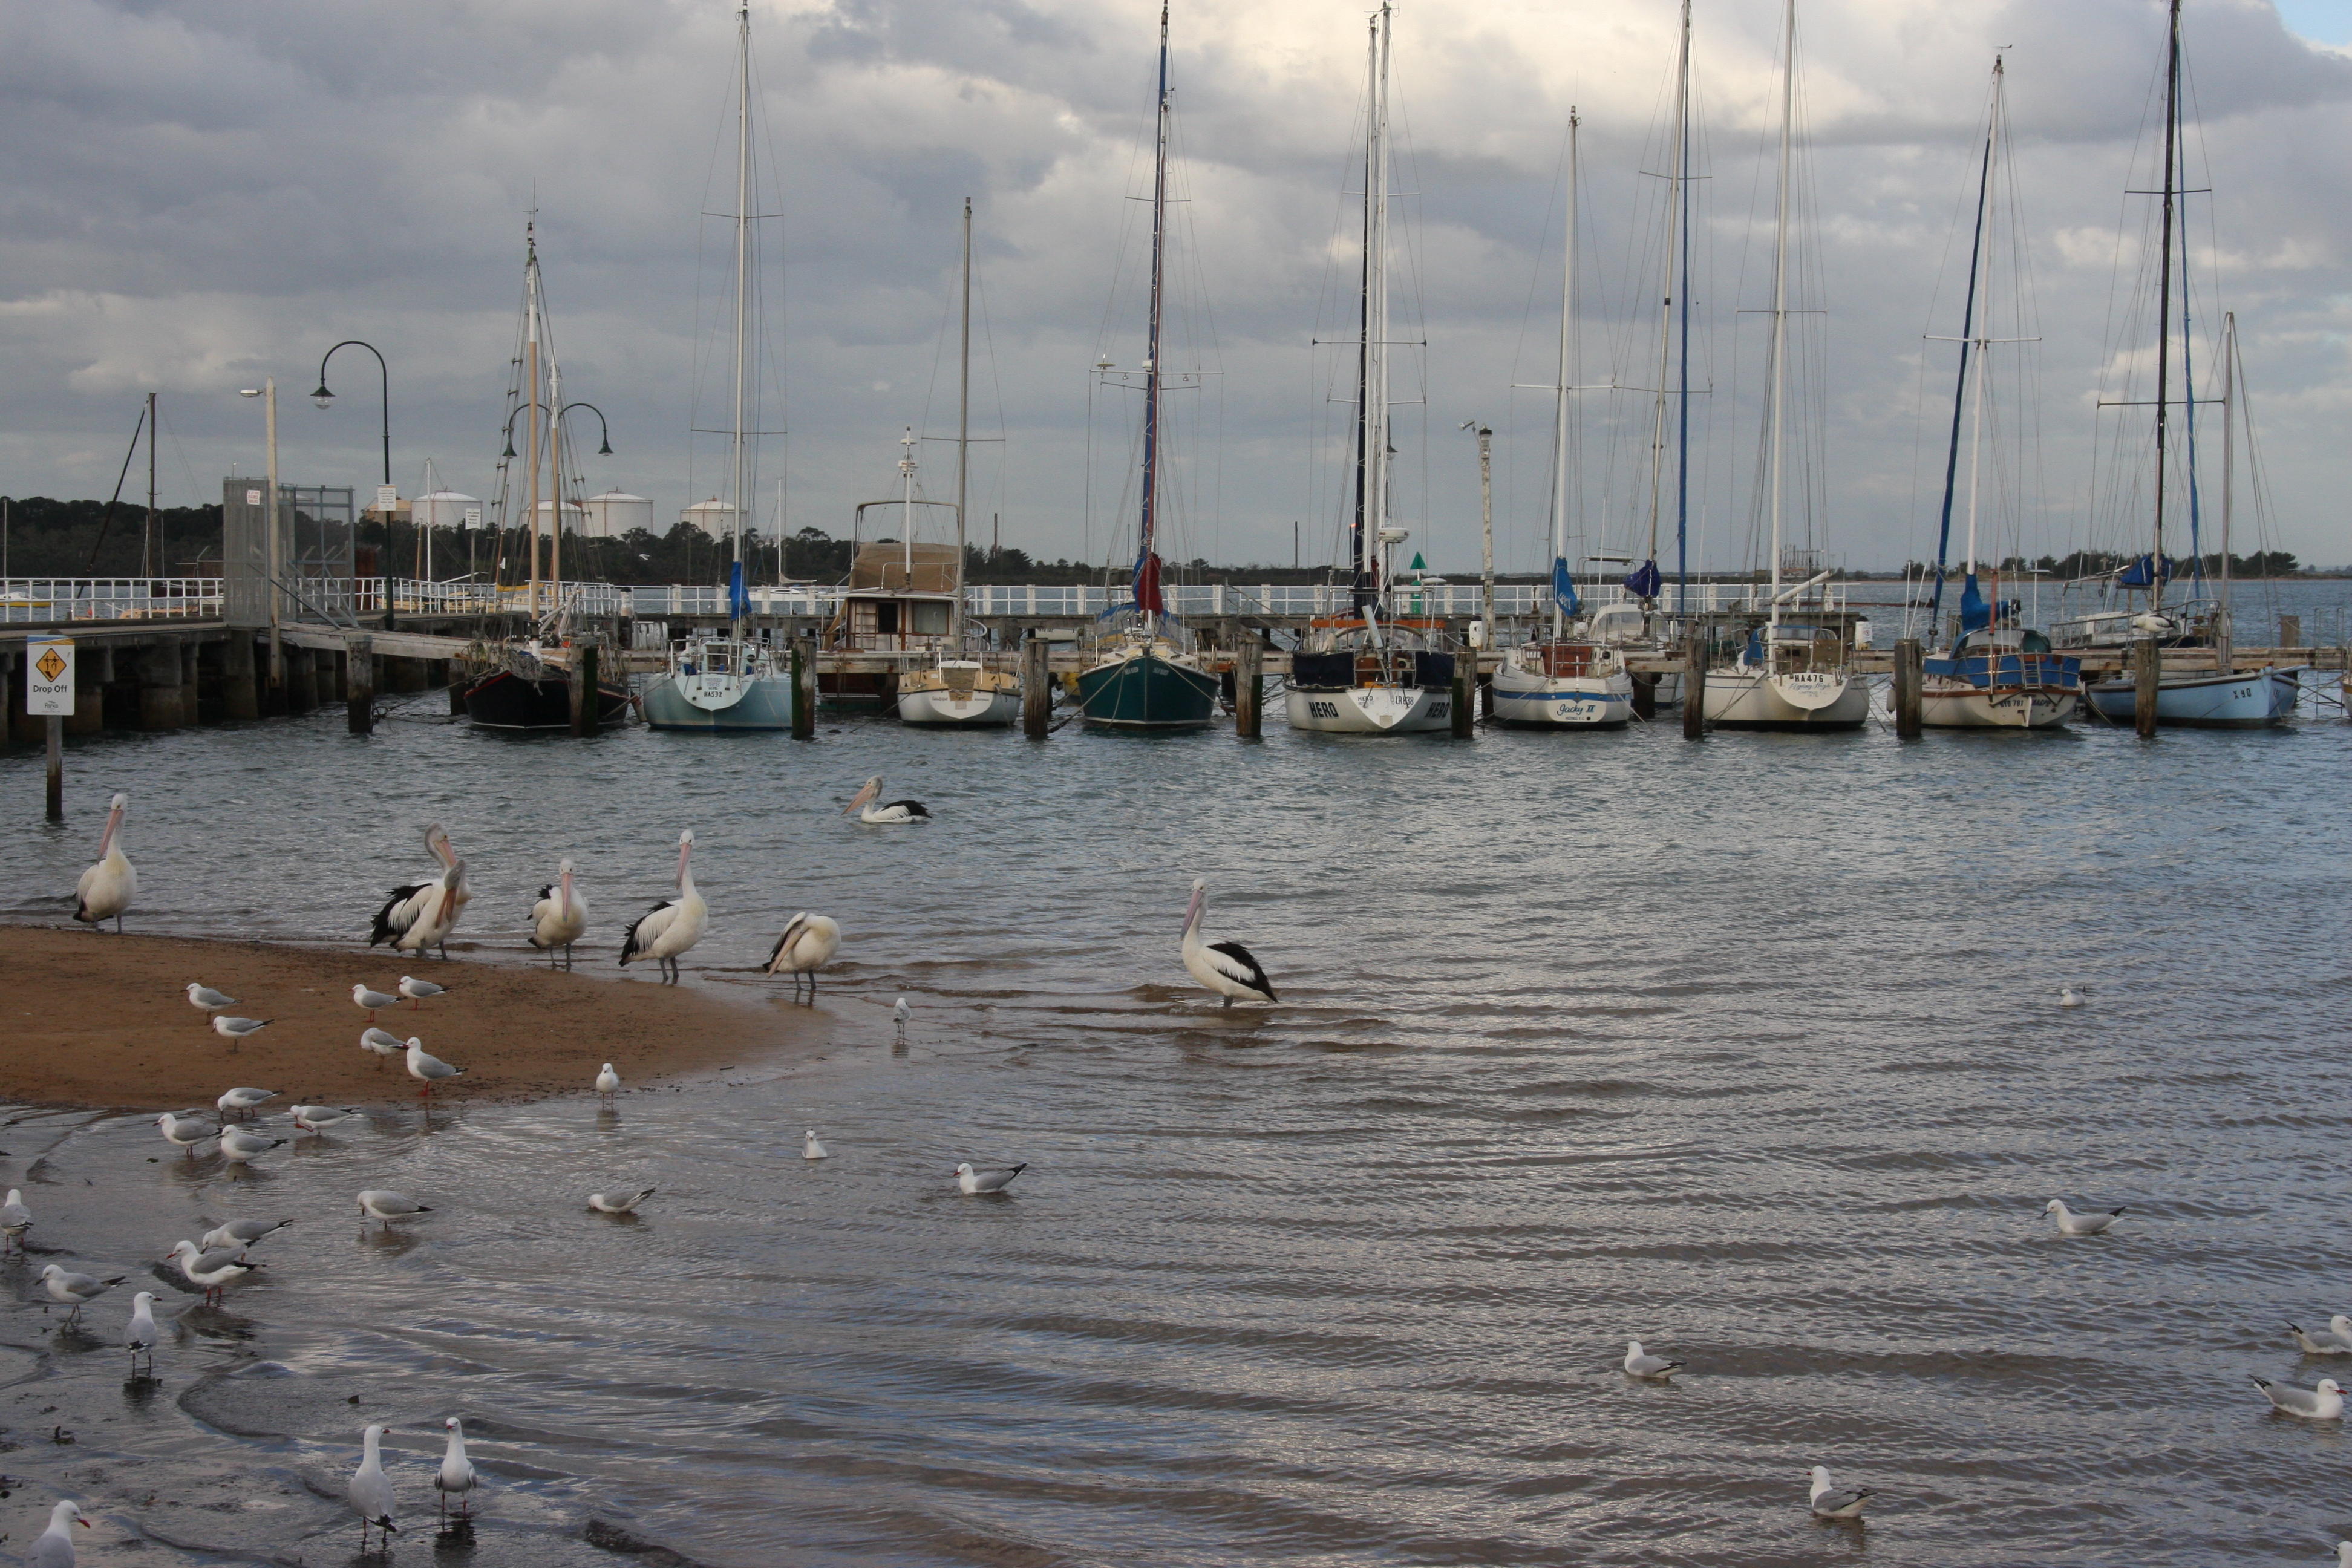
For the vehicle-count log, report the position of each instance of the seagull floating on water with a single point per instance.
(16, 1219)
(2068, 998)
(241, 1233)
(55, 1548)
(105, 889)
(370, 1491)
(608, 1084)
(139, 1337)
(896, 812)
(618, 1203)
(810, 1149)
(2324, 1402)
(375, 1002)
(243, 1100)
(808, 944)
(1829, 1503)
(429, 1070)
(1640, 1364)
(383, 1204)
(235, 1030)
(2073, 1223)
(71, 1290)
(420, 991)
(318, 1118)
(205, 999)
(2336, 1339)
(214, 1271)
(994, 1179)
(1224, 967)
(456, 1477)
(237, 1145)
(184, 1130)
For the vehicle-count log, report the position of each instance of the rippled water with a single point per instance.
(1749, 1047)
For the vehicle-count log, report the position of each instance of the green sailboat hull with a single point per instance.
(1147, 692)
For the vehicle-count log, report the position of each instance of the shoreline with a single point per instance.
(103, 1022)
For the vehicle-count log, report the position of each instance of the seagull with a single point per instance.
(241, 1233)
(608, 1083)
(898, 811)
(236, 1029)
(55, 1548)
(810, 1149)
(383, 1204)
(2336, 1339)
(2324, 1402)
(75, 1290)
(243, 1100)
(996, 1179)
(2068, 997)
(429, 1070)
(561, 916)
(373, 1001)
(456, 1477)
(898, 1015)
(672, 926)
(2073, 1223)
(184, 1130)
(370, 1491)
(318, 1118)
(139, 1338)
(419, 992)
(1831, 1503)
(213, 1270)
(2343, 1554)
(1639, 1363)
(16, 1219)
(107, 889)
(807, 945)
(383, 1043)
(1224, 967)
(618, 1203)
(237, 1145)
(205, 999)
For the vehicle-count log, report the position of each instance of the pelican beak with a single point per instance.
(1192, 910)
(858, 801)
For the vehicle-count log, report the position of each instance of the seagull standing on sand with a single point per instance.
(810, 1149)
(184, 1130)
(76, 1291)
(1830, 1502)
(1639, 1363)
(456, 1477)
(429, 1070)
(996, 1179)
(105, 889)
(425, 909)
(139, 1338)
(372, 1002)
(608, 1084)
(383, 1043)
(618, 1203)
(205, 999)
(672, 926)
(55, 1548)
(383, 1204)
(243, 1101)
(371, 1492)
(2324, 1402)
(896, 812)
(807, 945)
(2073, 1223)
(212, 1271)
(419, 992)
(561, 916)
(318, 1118)
(16, 1219)
(1224, 967)
(235, 1030)
(240, 1234)
(2336, 1339)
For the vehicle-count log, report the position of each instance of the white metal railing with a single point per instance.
(109, 598)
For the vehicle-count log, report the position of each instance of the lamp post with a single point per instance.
(268, 393)
(603, 449)
(324, 398)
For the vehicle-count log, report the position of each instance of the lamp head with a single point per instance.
(322, 398)
(509, 451)
(248, 392)
(605, 449)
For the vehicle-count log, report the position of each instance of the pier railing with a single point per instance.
(109, 598)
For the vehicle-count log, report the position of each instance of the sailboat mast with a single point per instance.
(2164, 298)
(1682, 294)
(742, 296)
(1979, 248)
(964, 425)
(1781, 297)
(1567, 365)
(1372, 378)
(1147, 600)
(1667, 307)
(1967, 346)
(556, 474)
(2226, 631)
(530, 378)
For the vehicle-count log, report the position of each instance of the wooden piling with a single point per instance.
(803, 689)
(1249, 690)
(2147, 670)
(1910, 686)
(1695, 687)
(55, 725)
(461, 680)
(240, 692)
(1037, 691)
(359, 683)
(1465, 694)
(2290, 631)
(1645, 694)
(584, 662)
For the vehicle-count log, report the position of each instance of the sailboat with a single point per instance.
(2224, 698)
(520, 690)
(1790, 674)
(958, 687)
(1144, 676)
(1561, 682)
(1997, 674)
(1371, 673)
(730, 681)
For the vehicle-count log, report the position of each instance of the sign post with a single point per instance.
(49, 694)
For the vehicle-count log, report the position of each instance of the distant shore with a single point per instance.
(96, 1019)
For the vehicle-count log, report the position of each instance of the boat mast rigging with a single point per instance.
(1148, 599)
(736, 596)
(1371, 362)
(1780, 304)
(2156, 572)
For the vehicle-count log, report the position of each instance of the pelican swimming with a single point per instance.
(1224, 967)
(896, 811)
(807, 945)
(672, 926)
(419, 916)
(560, 916)
(107, 889)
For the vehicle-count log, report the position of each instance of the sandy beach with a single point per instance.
(102, 1020)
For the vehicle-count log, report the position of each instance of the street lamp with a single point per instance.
(604, 450)
(325, 398)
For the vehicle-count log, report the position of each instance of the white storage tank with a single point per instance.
(714, 517)
(575, 516)
(441, 509)
(615, 512)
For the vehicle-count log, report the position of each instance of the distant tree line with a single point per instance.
(47, 538)
(2102, 563)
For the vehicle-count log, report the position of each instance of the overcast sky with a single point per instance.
(199, 194)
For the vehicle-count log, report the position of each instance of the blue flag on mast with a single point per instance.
(739, 598)
(1563, 588)
(1975, 612)
(1645, 581)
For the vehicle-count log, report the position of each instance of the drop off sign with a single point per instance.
(49, 677)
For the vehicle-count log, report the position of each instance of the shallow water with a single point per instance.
(1750, 1048)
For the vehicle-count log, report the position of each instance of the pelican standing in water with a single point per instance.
(898, 811)
(420, 915)
(807, 945)
(1224, 967)
(560, 916)
(107, 889)
(672, 926)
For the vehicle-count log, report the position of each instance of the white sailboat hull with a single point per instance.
(1751, 699)
(1370, 710)
(974, 708)
(1957, 705)
(1562, 701)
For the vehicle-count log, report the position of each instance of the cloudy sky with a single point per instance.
(198, 194)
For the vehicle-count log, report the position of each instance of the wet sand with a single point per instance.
(96, 1019)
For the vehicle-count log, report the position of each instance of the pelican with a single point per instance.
(560, 916)
(419, 916)
(370, 1491)
(807, 945)
(608, 1084)
(456, 1477)
(107, 889)
(672, 926)
(898, 811)
(1224, 967)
